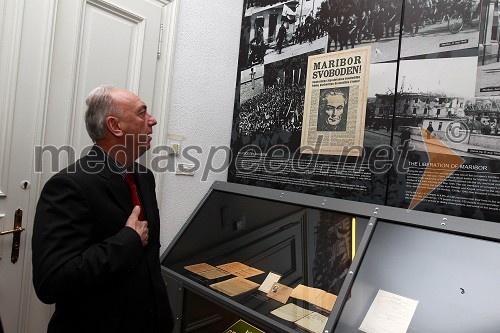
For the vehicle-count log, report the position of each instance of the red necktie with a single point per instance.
(129, 179)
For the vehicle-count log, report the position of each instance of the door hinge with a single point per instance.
(158, 54)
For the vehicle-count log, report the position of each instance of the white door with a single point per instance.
(97, 42)
(53, 53)
(20, 74)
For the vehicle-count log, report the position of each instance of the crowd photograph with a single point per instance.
(439, 26)
(280, 106)
(348, 27)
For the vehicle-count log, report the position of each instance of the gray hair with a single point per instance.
(100, 104)
(334, 91)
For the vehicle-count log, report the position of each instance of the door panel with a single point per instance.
(53, 53)
(17, 130)
(99, 42)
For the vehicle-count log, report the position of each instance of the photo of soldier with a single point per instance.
(415, 10)
(333, 34)
(353, 28)
(390, 25)
(280, 38)
(343, 32)
(378, 22)
(257, 47)
(363, 26)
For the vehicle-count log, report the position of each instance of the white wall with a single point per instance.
(202, 100)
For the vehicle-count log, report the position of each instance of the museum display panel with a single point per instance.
(278, 264)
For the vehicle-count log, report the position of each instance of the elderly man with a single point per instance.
(332, 110)
(96, 230)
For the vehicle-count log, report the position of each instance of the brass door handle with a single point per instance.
(6, 232)
(16, 233)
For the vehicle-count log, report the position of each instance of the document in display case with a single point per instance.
(427, 277)
(291, 262)
(245, 253)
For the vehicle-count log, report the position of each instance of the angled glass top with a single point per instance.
(305, 246)
(452, 278)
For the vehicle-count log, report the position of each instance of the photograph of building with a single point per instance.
(464, 124)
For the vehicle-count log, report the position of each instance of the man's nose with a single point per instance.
(152, 121)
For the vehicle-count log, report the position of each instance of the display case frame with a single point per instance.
(461, 228)
(178, 285)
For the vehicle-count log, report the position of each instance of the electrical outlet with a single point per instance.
(184, 169)
(175, 149)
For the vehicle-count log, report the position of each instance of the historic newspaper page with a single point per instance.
(335, 102)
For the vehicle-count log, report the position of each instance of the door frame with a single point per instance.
(29, 29)
(163, 84)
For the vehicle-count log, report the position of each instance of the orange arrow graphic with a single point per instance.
(443, 161)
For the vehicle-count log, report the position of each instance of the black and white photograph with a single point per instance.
(332, 109)
(335, 101)
(430, 98)
(488, 66)
(251, 82)
(446, 140)
(439, 26)
(360, 23)
(275, 30)
(277, 99)
(380, 105)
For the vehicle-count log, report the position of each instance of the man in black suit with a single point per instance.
(96, 239)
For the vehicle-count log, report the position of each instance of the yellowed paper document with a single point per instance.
(389, 313)
(318, 297)
(325, 301)
(248, 272)
(239, 269)
(291, 312)
(213, 274)
(271, 278)
(207, 271)
(335, 102)
(234, 286)
(314, 322)
(306, 293)
(280, 292)
(197, 268)
(232, 267)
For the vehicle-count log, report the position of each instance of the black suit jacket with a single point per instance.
(87, 262)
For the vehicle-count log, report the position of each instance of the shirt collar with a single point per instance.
(113, 165)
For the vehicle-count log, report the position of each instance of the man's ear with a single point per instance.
(114, 126)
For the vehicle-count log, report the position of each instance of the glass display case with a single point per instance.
(423, 278)
(290, 262)
(239, 237)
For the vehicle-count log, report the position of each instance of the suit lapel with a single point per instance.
(148, 200)
(98, 161)
(144, 189)
(120, 191)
